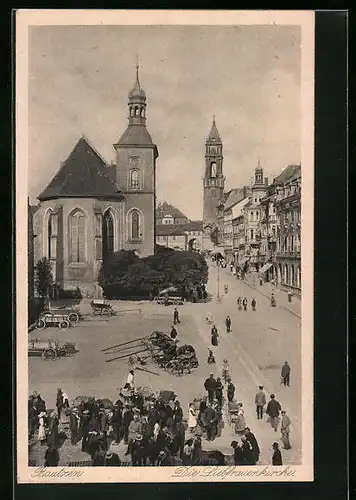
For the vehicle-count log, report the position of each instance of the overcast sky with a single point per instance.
(248, 76)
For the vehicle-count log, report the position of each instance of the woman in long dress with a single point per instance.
(240, 423)
(42, 428)
(192, 418)
(285, 430)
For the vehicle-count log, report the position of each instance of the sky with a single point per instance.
(247, 76)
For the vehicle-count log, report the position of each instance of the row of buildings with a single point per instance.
(258, 227)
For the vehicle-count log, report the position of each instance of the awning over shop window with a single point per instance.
(265, 267)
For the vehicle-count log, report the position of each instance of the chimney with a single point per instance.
(244, 192)
(266, 181)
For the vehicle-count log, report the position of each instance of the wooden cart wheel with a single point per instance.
(40, 324)
(49, 354)
(64, 324)
(73, 317)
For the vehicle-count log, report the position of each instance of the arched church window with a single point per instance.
(49, 235)
(135, 179)
(213, 169)
(77, 236)
(136, 110)
(135, 225)
(141, 112)
(108, 234)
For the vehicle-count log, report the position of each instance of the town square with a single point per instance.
(165, 284)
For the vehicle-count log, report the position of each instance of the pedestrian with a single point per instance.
(130, 381)
(225, 371)
(85, 429)
(273, 300)
(285, 374)
(197, 449)
(116, 423)
(127, 418)
(134, 430)
(174, 332)
(219, 391)
(240, 423)
(51, 457)
(176, 316)
(244, 303)
(260, 401)
(238, 454)
(177, 412)
(187, 454)
(290, 295)
(247, 454)
(211, 358)
(228, 324)
(253, 304)
(74, 426)
(285, 430)
(277, 455)
(251, 438)
(226, 289)
(261, 281)
(210, 385)
(53, 434)
(239, 302)
(42, 428)
(210, 419)
(112, 459)
(231, 267)
(192, 417)
(273, 409)
(214, 336)
(59, 401)
(230, 390)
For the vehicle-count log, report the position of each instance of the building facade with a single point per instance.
(213, 184)
(91, 209)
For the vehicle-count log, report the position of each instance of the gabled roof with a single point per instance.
(165, 209)
(235, 196)
(287, 174)
(84, 174)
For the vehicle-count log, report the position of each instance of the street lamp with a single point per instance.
(218, 282)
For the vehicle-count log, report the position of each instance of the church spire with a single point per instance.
(137, 101)
(214, 136)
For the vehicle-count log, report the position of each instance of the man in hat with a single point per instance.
(85, 428)
(59, 401)
(130, 381)
(230, 390)
(74, 425)
(210, 420)
(285, 430)
(176, 316)
(273, 409)
(277, 455)
(260, 401)
(251, 438)
(116, 422)
(112, 459)
(210, 386)
(135, 428)
(137, 400)
(137, 450)
(285, 373)
(177, 412)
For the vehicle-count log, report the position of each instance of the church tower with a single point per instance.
(136, 156)
(213, 182)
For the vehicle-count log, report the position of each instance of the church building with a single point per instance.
(214, 182)
(91, 209)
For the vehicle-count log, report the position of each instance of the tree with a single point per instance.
(44, 277)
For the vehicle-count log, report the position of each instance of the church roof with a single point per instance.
(137, 92)
(167, 209)
(83, 174)
(287, 174)
(214, 134)
(136, 135)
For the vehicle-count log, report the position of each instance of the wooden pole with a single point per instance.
(123, 343)
(125, 355)
(120, 349)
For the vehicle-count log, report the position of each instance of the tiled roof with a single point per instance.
(178, 229)
(234, 197)
(136, 135)
(170, 230)
(167, 209)
(83, 174)
(287, 174)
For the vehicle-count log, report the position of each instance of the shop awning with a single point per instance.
(265, 267)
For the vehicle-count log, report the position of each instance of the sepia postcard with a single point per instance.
(164, 246)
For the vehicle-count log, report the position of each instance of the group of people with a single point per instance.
(243, 303)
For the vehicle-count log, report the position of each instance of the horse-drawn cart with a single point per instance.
(50, 349)
(73, 313)
(100, 308)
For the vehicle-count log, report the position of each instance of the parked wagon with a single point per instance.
(52, 319)
(232, 411)
(50, 349)
(170, 296)
(100, 308)
(73, 313)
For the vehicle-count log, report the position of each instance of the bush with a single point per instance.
(35, 308)
(69, 294)
(125, 275)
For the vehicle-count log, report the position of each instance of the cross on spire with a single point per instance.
(137, 68)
